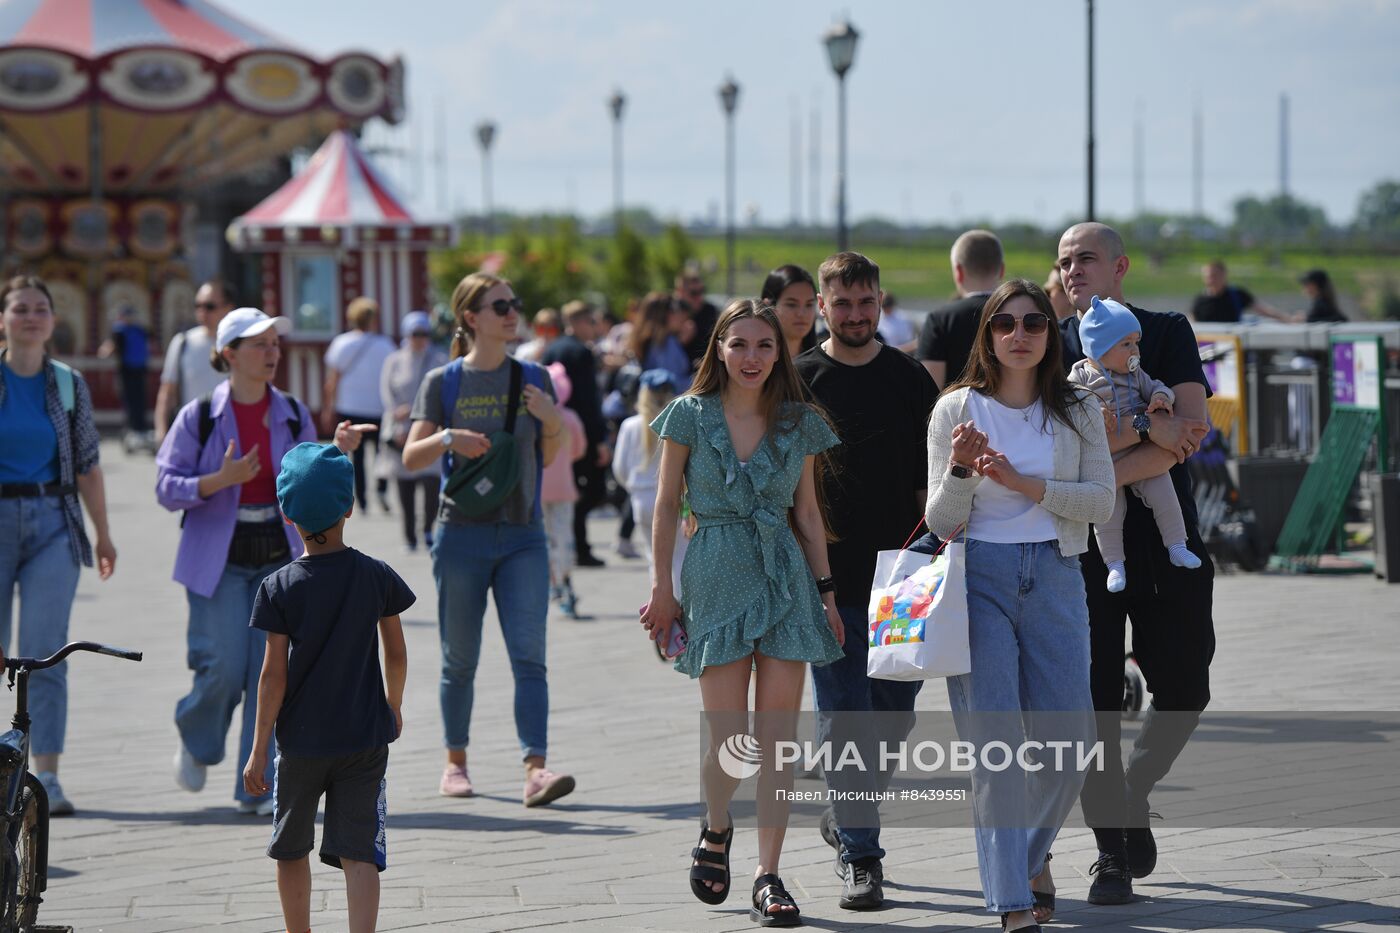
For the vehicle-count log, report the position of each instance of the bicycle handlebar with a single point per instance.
(33, 664)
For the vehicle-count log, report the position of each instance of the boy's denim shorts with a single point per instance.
(353, 786)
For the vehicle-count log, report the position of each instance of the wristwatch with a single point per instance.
(446, 437)
(1142, 424)
(960, 471)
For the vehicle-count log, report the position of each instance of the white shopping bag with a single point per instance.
(918, 615)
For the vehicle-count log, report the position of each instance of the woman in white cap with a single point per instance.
(398, 386)
(218, 464)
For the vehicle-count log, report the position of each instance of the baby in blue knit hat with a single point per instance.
(1112, 370)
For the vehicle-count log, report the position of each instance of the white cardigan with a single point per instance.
(1081, 492)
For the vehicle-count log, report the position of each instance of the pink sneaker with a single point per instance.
(455, 782)
(544, 786)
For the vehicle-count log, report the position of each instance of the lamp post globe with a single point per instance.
(840, 41)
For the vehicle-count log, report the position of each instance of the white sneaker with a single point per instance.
(189, 774)
(263, 807)
(625, 548)
(59, 804)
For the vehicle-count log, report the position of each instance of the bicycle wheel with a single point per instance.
(30, 840)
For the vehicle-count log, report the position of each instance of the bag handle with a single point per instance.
(513, 406)
(962, 528)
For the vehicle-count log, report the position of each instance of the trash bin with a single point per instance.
(1269, 485)
(1385, 511)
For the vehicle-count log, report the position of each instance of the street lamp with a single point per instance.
(615, 104)
(485, 134)
(1089, 153)
(729, 99)
(841, 49)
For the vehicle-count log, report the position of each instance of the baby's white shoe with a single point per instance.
(1117, 577)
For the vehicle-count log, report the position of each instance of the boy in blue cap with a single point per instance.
(1111, 370)
(323, 689)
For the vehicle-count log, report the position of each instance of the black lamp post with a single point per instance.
(485, 134)
(729, 99)
(1089, 146)
(615, 104)
(841, 48)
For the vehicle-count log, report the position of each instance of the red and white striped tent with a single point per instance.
(335, 231)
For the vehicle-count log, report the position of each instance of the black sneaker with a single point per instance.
(863, 888)
(1141, 847)
(1113, 883)
(588, 560)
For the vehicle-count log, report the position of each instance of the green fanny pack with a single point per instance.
(482, 484)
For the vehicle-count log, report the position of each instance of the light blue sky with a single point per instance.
(958, 109)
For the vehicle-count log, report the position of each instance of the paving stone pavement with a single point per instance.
(142, 855)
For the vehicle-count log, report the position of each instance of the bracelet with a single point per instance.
(826, 584)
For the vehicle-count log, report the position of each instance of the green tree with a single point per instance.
(1281, 217)
(627, 274)
(1378, 212)
(675, 252)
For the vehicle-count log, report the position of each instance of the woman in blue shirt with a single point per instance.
(656, 342)
(48, 460)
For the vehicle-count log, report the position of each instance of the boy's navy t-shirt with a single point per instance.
(330, 606)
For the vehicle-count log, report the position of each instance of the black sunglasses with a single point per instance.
(206, 306)
(503, 306)
(1034, 323)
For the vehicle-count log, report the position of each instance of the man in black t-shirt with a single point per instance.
(690, 295)
(1223, 303)
(945, 340)
(1169, 607)
(879, 400)
(575, 352)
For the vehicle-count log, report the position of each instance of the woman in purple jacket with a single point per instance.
(219, 464)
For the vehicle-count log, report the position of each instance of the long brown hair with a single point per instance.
(467, 297)
(784, 396)
(652, 325)
(983, 372)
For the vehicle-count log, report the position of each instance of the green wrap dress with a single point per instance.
(745, 583)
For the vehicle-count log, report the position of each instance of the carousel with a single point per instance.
(335, 231)
(118, 117)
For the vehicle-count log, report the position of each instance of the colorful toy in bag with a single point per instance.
(918, 615)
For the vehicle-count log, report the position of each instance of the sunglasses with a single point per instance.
(503, 306)
(206, 306)
(1034, 323)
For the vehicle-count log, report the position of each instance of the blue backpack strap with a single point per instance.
(451, 387)
(63, 376)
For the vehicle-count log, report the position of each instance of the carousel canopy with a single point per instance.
(338, 197)
(155, 95)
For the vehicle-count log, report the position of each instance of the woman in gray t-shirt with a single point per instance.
(503, 550)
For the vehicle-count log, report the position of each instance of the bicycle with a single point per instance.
(24, 861)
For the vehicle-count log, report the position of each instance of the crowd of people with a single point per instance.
(764, 462)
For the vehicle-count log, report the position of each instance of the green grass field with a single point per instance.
(920, 275)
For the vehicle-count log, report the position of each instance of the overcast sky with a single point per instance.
(958, 109)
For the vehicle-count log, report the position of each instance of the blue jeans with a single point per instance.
(511, 561)
(35, 555)
(843, 687)
(226, 655)
(1028, 626)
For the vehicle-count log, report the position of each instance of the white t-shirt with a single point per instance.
(1000, 516)
(359, 357)
(187, 365)
(896, 329)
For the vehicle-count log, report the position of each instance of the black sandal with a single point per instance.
(706, 859)
(1045, 900)
(1033, 928)
(773, 894)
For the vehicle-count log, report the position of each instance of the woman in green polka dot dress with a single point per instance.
(745, 445)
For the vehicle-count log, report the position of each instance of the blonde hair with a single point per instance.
(467, 297)
(361, 312)
(649, 404)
